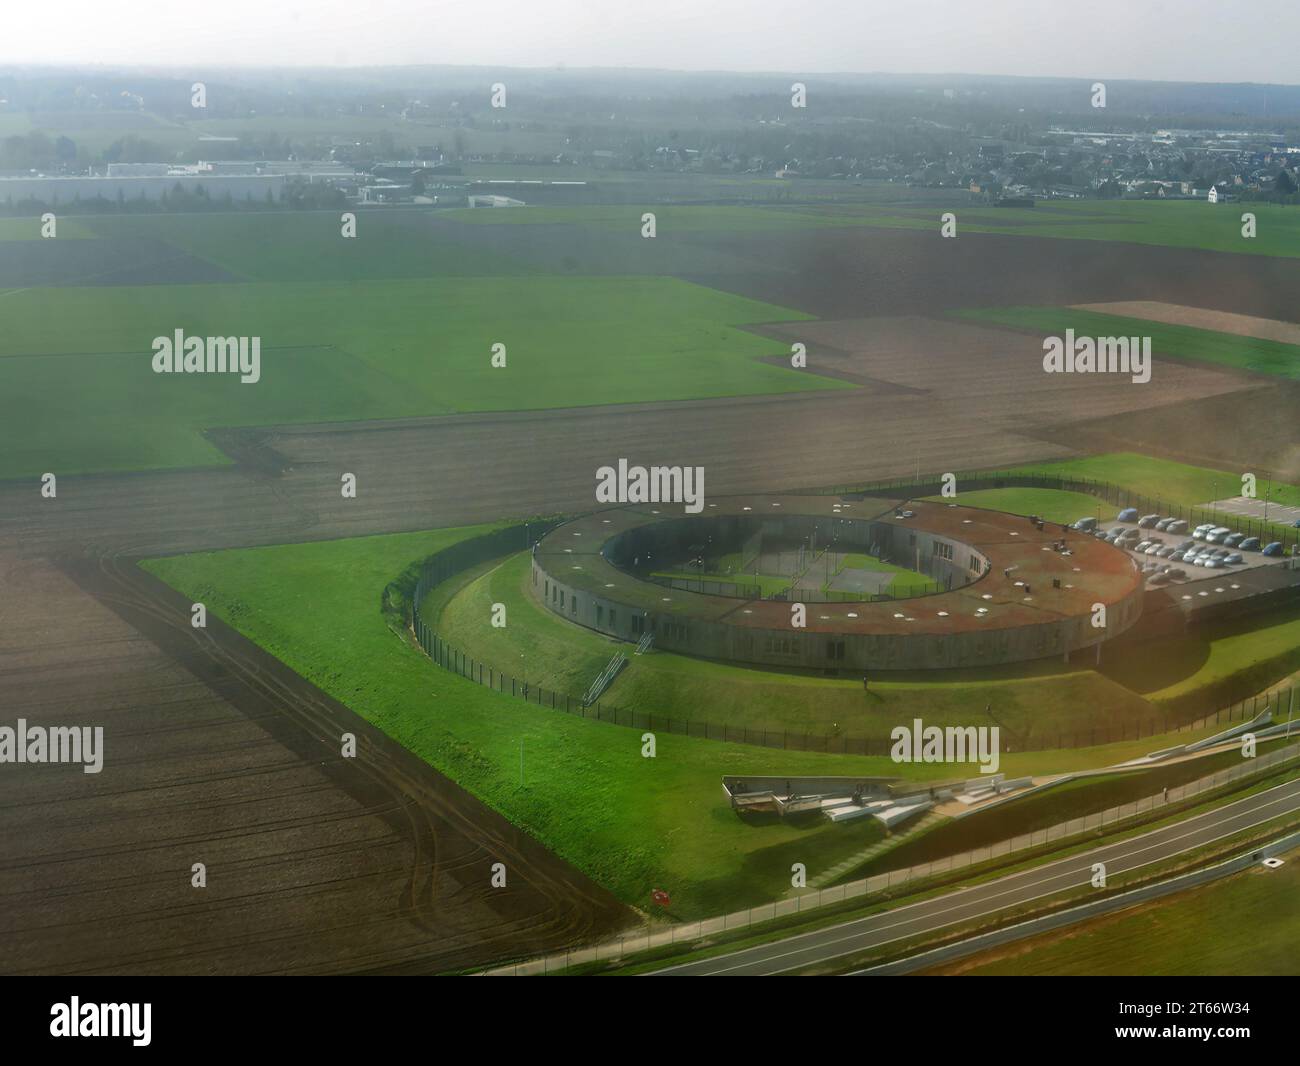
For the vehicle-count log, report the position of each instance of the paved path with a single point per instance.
(1246, 508)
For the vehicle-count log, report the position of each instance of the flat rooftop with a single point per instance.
(1090, 571)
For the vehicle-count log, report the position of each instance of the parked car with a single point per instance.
(1275, 548)
(1178, 525)
(1086, 525)
(1213, 564)
(1177, 573)
(1233, 559)
(1200, 531)
(1166, 551)
(1216, 535)
(1148, 521)
(1143, 545)
(1113, 535)
(1183, 545)
(1129, 514)
(1250, 544)
(1155, 547)
(1233, 539)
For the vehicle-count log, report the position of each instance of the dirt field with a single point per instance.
(215, 753)
(1199, 318)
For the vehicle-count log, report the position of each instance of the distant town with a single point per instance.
(452, 148)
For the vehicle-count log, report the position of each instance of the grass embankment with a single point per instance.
(1031, 702)
(1072, 799)
(631, 823)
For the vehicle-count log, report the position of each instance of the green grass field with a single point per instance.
(1053, 505)
(1161, 478)
(1175, 224)
(1255, 922)
(353, 350)
(309, 246)
(631, 823)
(1186, 342)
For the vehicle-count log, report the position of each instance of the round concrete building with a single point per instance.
(995, 588)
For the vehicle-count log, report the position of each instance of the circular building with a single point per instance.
(791, 581)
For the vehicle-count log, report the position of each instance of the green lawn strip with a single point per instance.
(1254, 928)
(670, 220)
(1162, 478)
(1052, 505)
(1172, 224)
(1032, 703)
(1188, 342)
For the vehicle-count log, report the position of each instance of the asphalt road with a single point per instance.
(968, 904)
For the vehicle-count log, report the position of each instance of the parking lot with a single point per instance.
(1154, 549)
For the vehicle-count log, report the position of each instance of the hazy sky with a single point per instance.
(1178, 40)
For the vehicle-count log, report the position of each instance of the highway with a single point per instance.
(985, 900)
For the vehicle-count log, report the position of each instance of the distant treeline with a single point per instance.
(301, 195)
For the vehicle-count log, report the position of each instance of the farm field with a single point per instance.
(1255, 354)
(366, 350)
(1168, 938)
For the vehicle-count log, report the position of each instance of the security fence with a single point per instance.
(469, 553)
(812, 898)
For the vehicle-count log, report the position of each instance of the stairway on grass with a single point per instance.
(926, 822)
